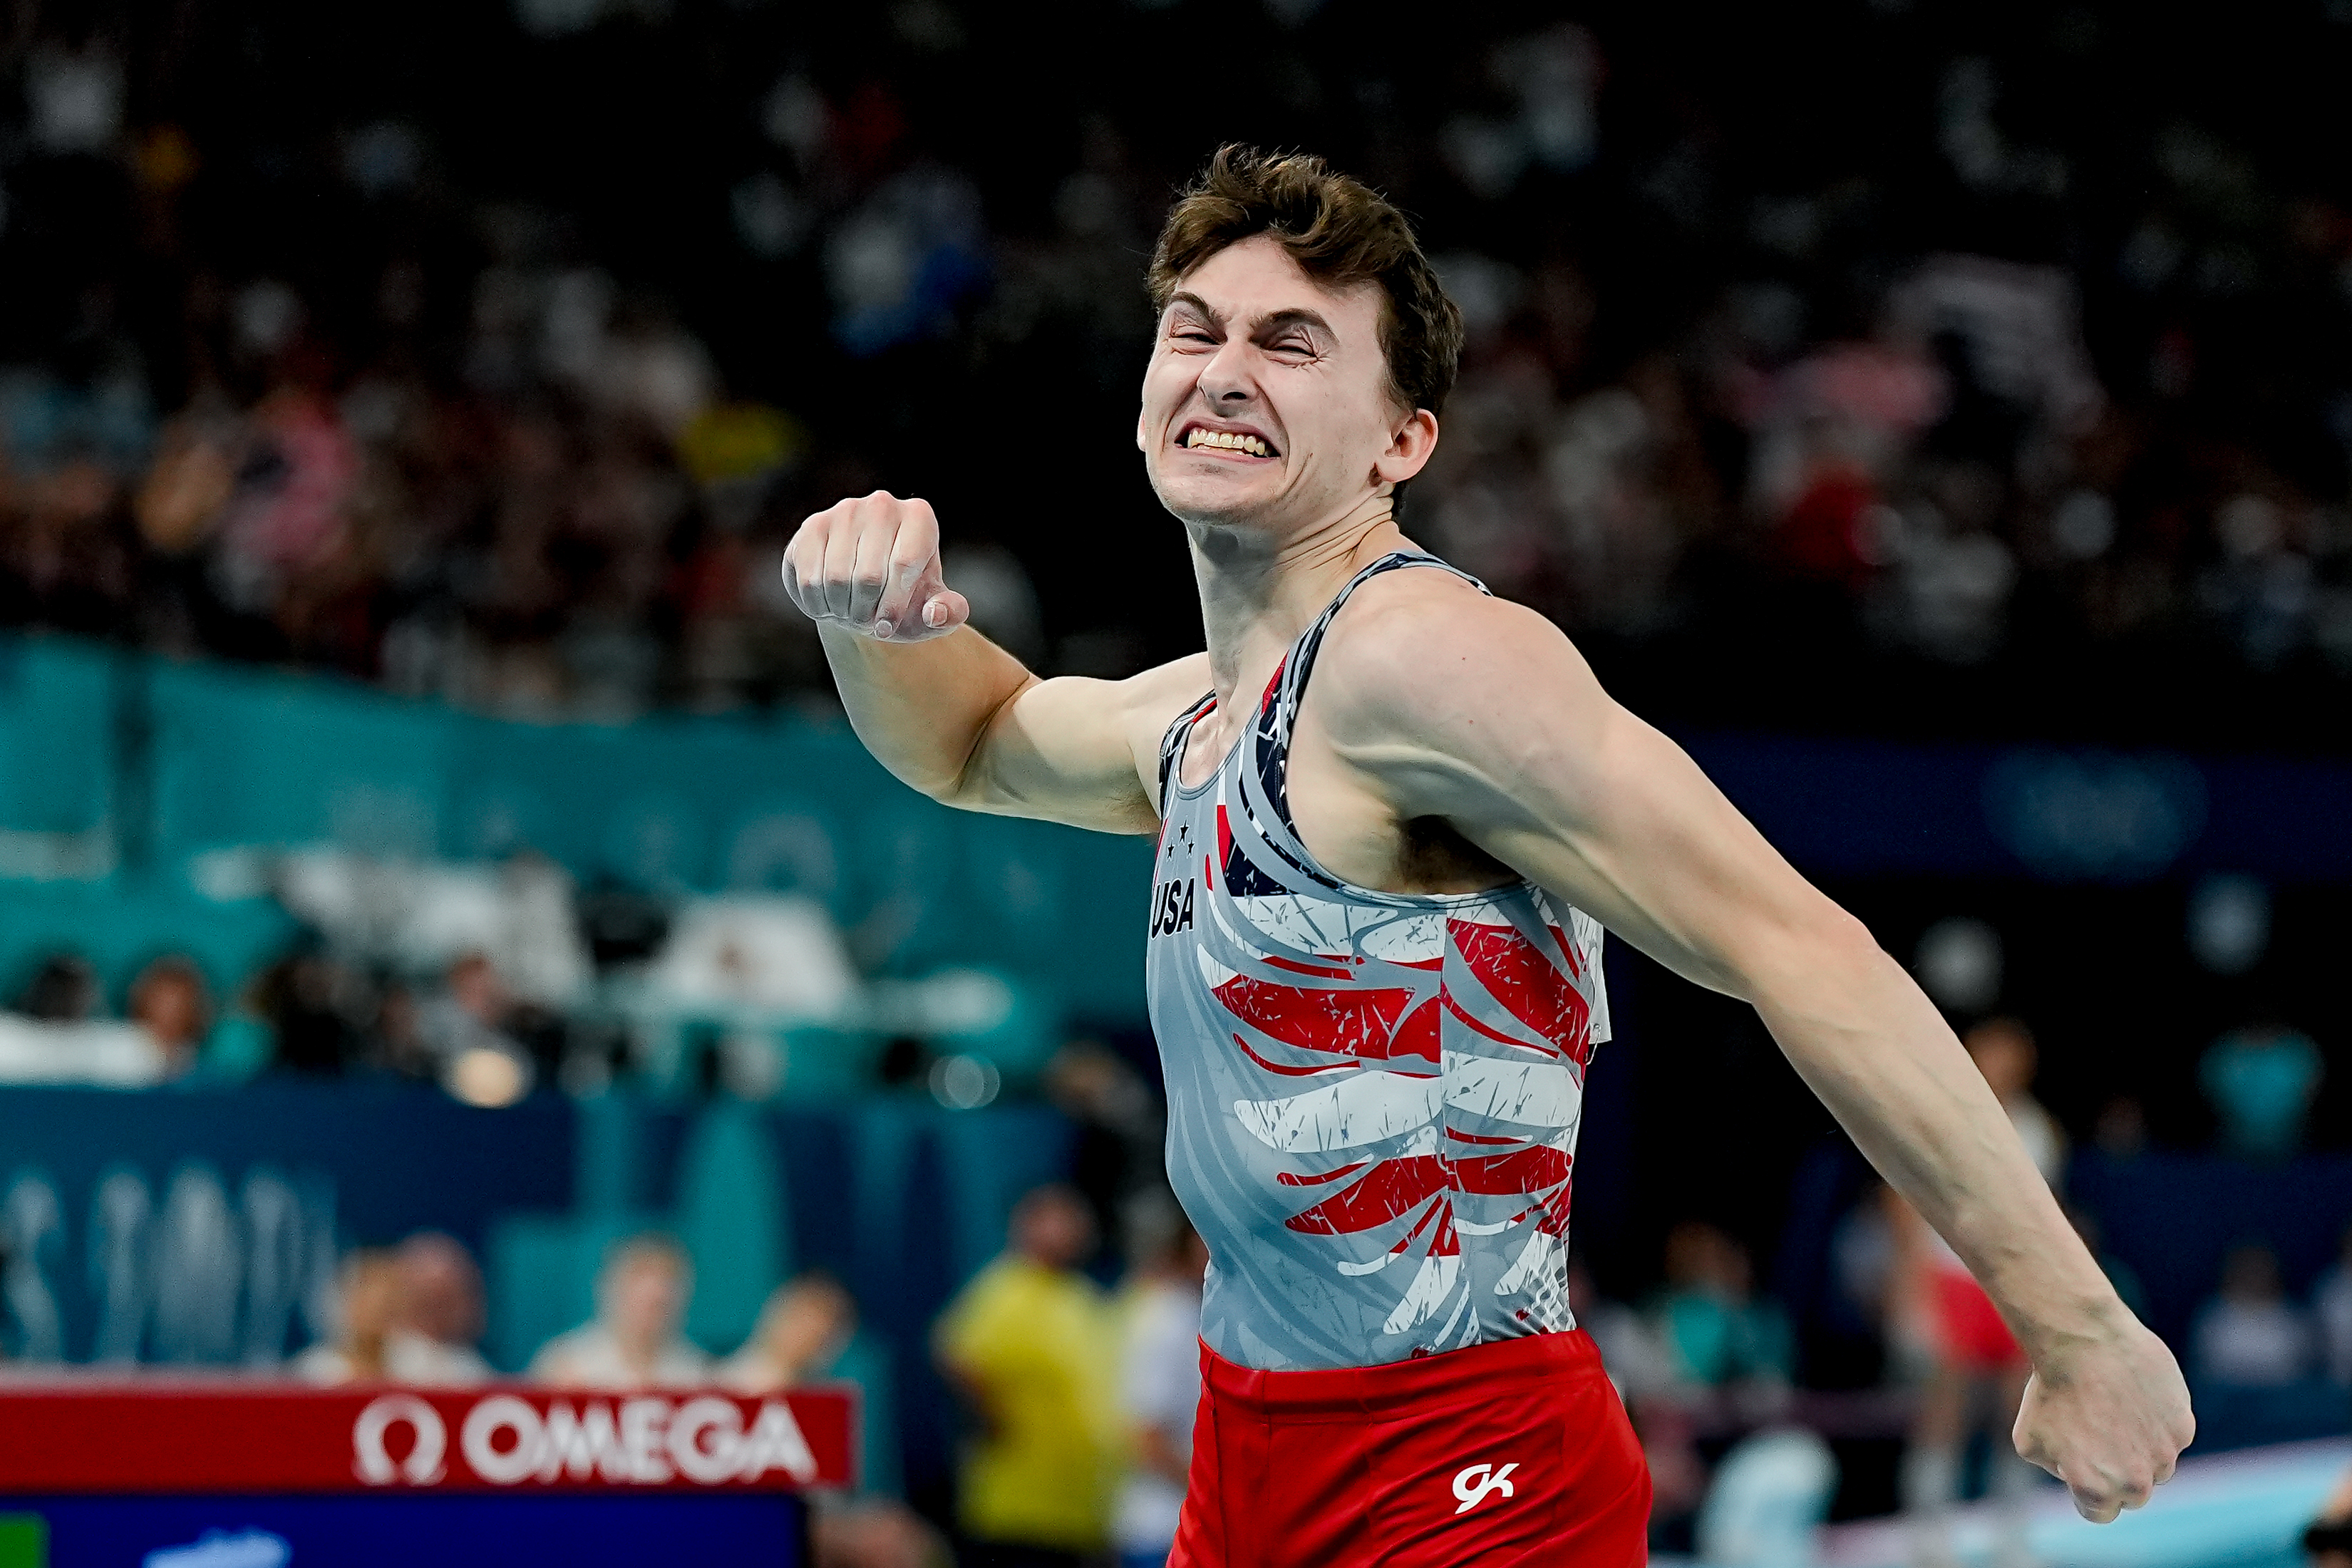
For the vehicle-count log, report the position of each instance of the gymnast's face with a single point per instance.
(1267, 403)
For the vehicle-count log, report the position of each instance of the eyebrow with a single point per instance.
(1296, 316)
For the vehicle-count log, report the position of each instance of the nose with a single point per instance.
(1227, 380)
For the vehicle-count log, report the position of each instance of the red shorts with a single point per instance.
(1969, 1327)
(1515, 1452)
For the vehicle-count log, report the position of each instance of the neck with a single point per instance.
(1258, 592)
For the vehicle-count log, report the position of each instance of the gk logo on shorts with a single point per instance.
(1474, 1483)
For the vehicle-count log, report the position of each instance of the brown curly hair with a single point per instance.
(1341, 233)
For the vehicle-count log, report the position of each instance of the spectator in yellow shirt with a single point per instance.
(1030, 1344)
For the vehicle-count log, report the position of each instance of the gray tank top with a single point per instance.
(1372, 1096)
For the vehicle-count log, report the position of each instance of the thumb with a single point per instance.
(946, 610)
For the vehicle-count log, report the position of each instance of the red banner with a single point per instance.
(240, 1438)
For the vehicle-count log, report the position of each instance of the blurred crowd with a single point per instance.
(579, 526)
(1079, 1402)
(343, 389)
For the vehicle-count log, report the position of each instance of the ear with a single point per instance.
(1140, 444)
(1411, 442)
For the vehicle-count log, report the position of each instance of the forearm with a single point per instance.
(923, 708)
(1881, 1057)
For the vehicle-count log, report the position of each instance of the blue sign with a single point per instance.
(469, 1532)
(201, 1228)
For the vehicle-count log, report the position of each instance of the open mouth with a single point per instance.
(1226, 443)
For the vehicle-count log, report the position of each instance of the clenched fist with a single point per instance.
(871, 565)
(2108, 1419)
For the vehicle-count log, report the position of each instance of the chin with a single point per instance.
(1214, 498)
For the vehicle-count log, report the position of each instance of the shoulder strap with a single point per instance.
(1301, 661)
(1171, 745)
(1266, 781)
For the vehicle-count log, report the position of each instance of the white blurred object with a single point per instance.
(656, 371)
(652, 368)
(951, 1002)
(2229, 924)
(2023, 326)
(221, 1549)
(74, 98)
(1958, 964)
(266, 314)
(776, 953)
(965, 1082)
(1557, 75)
(1004, 603)
(539, 952)
(32, 1228)
(752, 1066)
(226, 875)
(421, 917)
(487, 1078)
(1483, 290)
(1955, 588)
(199, 1263)
(1770, 1496)
(795, 115)
(106, 1055)
(2084, 525)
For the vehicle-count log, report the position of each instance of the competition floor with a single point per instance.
(2242, 1509)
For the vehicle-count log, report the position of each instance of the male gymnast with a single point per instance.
(1375, 933)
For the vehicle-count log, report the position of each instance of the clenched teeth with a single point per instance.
(1197, 437)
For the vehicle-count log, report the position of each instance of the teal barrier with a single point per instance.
(249, 757)
(57, 713)
(230, 757)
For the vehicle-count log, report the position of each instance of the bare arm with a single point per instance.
(950, 712)
(1480, 712)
